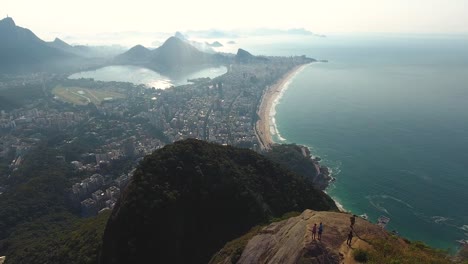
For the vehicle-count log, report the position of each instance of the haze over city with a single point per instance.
(54, 17)
(233, 131)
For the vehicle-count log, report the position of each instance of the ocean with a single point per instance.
(389, 115)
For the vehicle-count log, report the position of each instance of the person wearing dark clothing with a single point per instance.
(350, 238)
(352, 219)
(320, 230)
(314, 231)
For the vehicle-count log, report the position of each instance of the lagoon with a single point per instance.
(148, 77)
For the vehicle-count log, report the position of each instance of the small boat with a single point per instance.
(383, 221)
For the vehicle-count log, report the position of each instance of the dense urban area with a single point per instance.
(100, 130)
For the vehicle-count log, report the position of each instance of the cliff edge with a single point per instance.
(290, 241)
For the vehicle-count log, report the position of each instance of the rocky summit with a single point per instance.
(290, 241)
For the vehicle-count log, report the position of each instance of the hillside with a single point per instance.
(136, 55)
(89, 52)
(290, 241)
(187, 199)
(60, 44)
(175, 54)
(21, 50)
(298, 159)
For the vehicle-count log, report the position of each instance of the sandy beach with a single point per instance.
(262, 127)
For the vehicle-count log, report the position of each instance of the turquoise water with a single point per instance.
(389, 115)
(140, 75)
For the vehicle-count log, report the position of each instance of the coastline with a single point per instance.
(265, 126)
(267, 104)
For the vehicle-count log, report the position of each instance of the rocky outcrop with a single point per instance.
(290, 241)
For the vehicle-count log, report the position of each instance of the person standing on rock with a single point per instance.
(350, 238)
(352, 219)
(320, 230)
(314, 231)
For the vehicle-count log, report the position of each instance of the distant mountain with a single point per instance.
(215, 44)
(21, 50)
(244, 56)
(85, 51)
(136, 55)
(220, 34)
(212, 34)
(205, 47)
(188, 198)
(180, 36)
(60, 44)
(174, 55)
(99, 51)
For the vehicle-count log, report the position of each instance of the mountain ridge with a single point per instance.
(22, 50)
(174, 55)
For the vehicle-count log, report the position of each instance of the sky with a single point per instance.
(59, 17)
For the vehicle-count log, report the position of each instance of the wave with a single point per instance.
(440, 219)
(274, 131)
(464, 227)
(377, 205)
(338, 204)
(384, 196)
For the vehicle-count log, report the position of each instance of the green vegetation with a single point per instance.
(84, 96)
(37, 221)
(187, 199)
(19, 96)
(290, 156)
(396, 251)
(38, 188)
(361, 255)
(57, 238)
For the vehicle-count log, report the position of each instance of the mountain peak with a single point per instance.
(173, 41)
(244, 56)
(57, 40)
(139, 47)
(60, 43)
(180, 36)
(8, 21)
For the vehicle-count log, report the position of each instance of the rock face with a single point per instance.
(290, 241)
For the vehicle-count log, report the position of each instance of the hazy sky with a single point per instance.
(48, 17)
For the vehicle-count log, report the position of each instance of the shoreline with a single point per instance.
(267, 104)
(264, 125)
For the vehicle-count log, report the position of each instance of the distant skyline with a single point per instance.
(50, 18)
